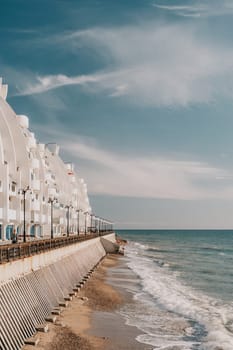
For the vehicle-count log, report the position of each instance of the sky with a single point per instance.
(138, 94)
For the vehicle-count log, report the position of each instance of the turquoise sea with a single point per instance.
(184, 294)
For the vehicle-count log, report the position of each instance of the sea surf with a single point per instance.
(184, 294)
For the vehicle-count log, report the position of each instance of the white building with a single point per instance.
(35, 171)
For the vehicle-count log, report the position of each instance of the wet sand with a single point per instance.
(91, 320)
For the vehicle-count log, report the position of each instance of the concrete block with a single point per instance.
(80, 285)
(51, 318)
(32, 341)
(58, 308)
(56, 312)
(68, 298)
(76, 289)
(63, 303)
(73, 294)
(44, 328)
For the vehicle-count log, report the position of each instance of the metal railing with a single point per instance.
(17, 251)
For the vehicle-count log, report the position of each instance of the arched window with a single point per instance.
(9, 231)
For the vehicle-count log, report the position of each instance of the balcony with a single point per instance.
(48, 176)
(52, 192)
(35, 217)
(23, 121)
(35, 206)
(12, 214)
(72, 179)
(56, 221)
(12, 193)
(35, 185)
(31, 142)
(27, 216)
(35, 163)
(44, 219)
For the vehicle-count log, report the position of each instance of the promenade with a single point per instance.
(15, 251)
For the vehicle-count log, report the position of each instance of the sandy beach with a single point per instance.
(91, 320)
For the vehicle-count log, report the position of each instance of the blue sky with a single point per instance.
(139, 94)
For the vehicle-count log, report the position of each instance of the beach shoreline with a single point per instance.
(92, 321)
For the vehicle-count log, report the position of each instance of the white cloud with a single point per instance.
(50, 82)
(155, 65)
(204, 8)
(115, 174)
(182, 10)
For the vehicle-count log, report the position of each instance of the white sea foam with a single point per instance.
(177, 302)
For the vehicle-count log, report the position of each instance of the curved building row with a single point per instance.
(36, 187)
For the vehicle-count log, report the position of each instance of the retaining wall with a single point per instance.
(30, 288)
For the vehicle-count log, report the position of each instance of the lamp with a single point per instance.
(23, 192)
(78, 211)
(86, 212)
(68, 220)
(51, 201)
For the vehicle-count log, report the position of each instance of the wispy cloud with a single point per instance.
(145, 66)
(50, 82)
(149, 177)
(112, 173)
(182, 10)
(204, 8)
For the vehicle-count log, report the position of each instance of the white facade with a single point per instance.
(25, 164)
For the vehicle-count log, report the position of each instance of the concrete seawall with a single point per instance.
(30, 288)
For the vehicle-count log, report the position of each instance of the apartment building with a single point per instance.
(39, 192)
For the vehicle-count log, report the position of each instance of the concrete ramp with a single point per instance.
(110, 245)
(27, 300)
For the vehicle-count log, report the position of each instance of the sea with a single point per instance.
(184, 288)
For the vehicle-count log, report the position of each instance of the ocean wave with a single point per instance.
(140, 245)
(158, 250)
(217, 249)
(161, 263)
(175, 297)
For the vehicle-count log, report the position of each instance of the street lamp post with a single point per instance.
(68, 220)
(85, 222)
(100, 220)
(51, 201)
(23, 192)
(96, 224)
(92, 222)
(78, 211)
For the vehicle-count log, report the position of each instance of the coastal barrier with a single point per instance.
(31, 287)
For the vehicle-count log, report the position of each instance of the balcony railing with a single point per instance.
(35, 185)
(17, 251)
(12, 214)
(35, 163)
